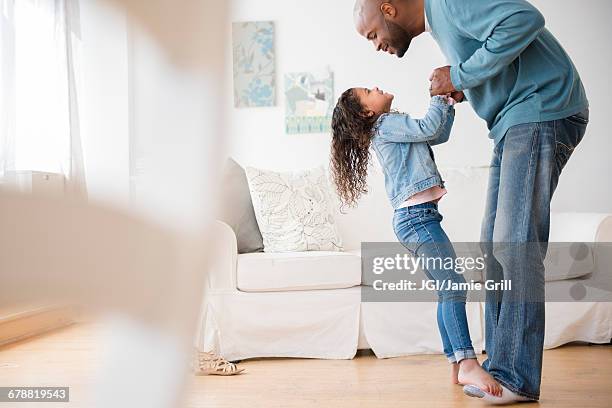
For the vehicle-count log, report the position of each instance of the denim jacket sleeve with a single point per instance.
(434, 128)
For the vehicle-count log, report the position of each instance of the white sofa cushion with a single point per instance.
(289, 271)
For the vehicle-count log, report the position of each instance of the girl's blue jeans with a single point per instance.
(418, 229)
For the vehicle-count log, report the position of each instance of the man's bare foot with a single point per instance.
(455, 373)
(471, 373)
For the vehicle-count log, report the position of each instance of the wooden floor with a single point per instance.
(574, 376)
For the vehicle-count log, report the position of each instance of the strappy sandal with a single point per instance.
(208, 363)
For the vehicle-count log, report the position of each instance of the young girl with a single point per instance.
(363, 119)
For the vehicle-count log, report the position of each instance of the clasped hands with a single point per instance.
(441, 84)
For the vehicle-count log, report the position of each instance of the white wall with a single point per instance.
(585, 32)
(317, 33)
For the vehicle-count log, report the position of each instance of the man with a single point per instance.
(519, 79)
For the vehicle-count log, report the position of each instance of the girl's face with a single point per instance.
(374, 101)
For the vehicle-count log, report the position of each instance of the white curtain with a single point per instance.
(40, 106)
(7, 87)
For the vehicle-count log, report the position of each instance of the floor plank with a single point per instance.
(574, 376)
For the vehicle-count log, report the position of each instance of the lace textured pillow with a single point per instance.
(294, 210)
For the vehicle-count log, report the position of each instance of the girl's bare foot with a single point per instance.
(471, 373)
(455, 373)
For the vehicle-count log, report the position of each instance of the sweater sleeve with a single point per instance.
(434, 127)
(505, 27)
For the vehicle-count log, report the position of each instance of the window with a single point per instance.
(40, 113)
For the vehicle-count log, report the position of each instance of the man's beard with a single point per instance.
(400, 38)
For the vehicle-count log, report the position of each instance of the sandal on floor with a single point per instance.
(208, 363)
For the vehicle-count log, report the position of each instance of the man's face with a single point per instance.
(385, 35)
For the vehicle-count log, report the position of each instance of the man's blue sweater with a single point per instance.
(511, 68)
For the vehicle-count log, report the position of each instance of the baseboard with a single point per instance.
(20, 322)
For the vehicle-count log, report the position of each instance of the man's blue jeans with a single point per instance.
(524, 173)
(418, 229)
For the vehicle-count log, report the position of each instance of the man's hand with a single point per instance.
(441, 82)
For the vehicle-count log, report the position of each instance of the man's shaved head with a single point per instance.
(389, 24)
(367, 10)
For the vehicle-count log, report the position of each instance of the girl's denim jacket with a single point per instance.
(402, 145)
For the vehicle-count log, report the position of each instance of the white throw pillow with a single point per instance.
(294, 210)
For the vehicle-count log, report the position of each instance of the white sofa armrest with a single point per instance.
(222, 274)
(604, 232)
(580, 227)
(588, 228)
(568, 229)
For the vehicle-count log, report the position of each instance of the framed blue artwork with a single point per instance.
(254, 64)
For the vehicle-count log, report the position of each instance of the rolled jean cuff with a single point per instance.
(451, 358)
(464, 354)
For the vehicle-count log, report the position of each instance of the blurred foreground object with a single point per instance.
(182, 29)
(147, 279)
(145, 274)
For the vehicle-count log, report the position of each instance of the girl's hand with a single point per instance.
(449, 99)
(458, 96)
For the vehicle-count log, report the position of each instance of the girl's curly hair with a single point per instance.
(352, 132)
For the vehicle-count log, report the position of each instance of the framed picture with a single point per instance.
(254, 64)
(309, 102)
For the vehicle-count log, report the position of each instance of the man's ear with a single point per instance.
(388, 10)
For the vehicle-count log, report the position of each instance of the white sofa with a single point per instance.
(308, 304)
